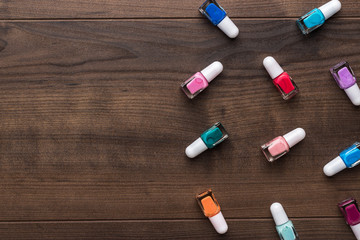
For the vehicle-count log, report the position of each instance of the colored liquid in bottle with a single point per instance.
(284, 83)
(351, 155)
(315, 18)
(197, 84)
(215, 14)
(210, 207)
(346, 79)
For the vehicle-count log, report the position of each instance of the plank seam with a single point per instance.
(156, 220)
(154, 18)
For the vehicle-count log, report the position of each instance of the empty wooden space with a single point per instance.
(93, 124)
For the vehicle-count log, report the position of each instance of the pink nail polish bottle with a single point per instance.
(199, 81)
(279, 146)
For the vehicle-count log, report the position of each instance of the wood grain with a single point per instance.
(176, 229)
(94, 125)
(75, 9)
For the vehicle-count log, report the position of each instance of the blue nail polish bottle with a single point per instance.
(317, 17)
(213, 11)
(310, 21)
(351, 155)
(348, 158)
(217, 15)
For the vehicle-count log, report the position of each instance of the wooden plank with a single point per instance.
(94, 126)
(40, 9)
(322, 229)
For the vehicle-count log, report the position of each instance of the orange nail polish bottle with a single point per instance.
(211, 209)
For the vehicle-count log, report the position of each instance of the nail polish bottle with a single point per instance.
(348, 158)
(199, 81)
(284, 226)
(279, 146)
(317, 17)
(209, 139)
(217, 15)
(211, 209)
(345, 78)
(281, 79)
(350, 210)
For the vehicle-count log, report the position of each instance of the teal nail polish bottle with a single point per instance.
(208, 139)
(284, 226)
(317, 17)
(213, 136)
(287, 231)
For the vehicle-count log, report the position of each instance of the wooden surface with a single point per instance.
(94, 125)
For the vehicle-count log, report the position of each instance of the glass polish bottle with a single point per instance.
(348, 158)
(349, 208)
(281, 145)
(200, 80)
(284, 226)
(217, 15)
(282, 81)
(346, 80)
(211, 209)
(208, 139)
(317, 17)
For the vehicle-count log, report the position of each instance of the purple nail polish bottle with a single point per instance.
(345, 78)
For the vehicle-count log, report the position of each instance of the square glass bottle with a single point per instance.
(281, 145)
(317, 17)
(311, 21)
(208, 203)
(349, 208)
(211, 209)
(284, 226)
(286, 86)
(208, 139)
(275, 149)
(351, 155)
(217, 16)
(213, 11)
(200, 80)
(281, 79)
(214, 135)
(346, 80)
(287, 231)
(343, 75)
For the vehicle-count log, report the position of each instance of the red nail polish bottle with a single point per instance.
(281, 79)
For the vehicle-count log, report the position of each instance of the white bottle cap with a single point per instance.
(279, 214)
(229, 27)
(272, 67)
(334, 166)
(196, 148)
(219, 223)
(356, 231)
(295, 136)
(212, 71)
(353, 93)
(330, 8)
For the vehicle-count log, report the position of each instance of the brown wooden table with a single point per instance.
(93, 124)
